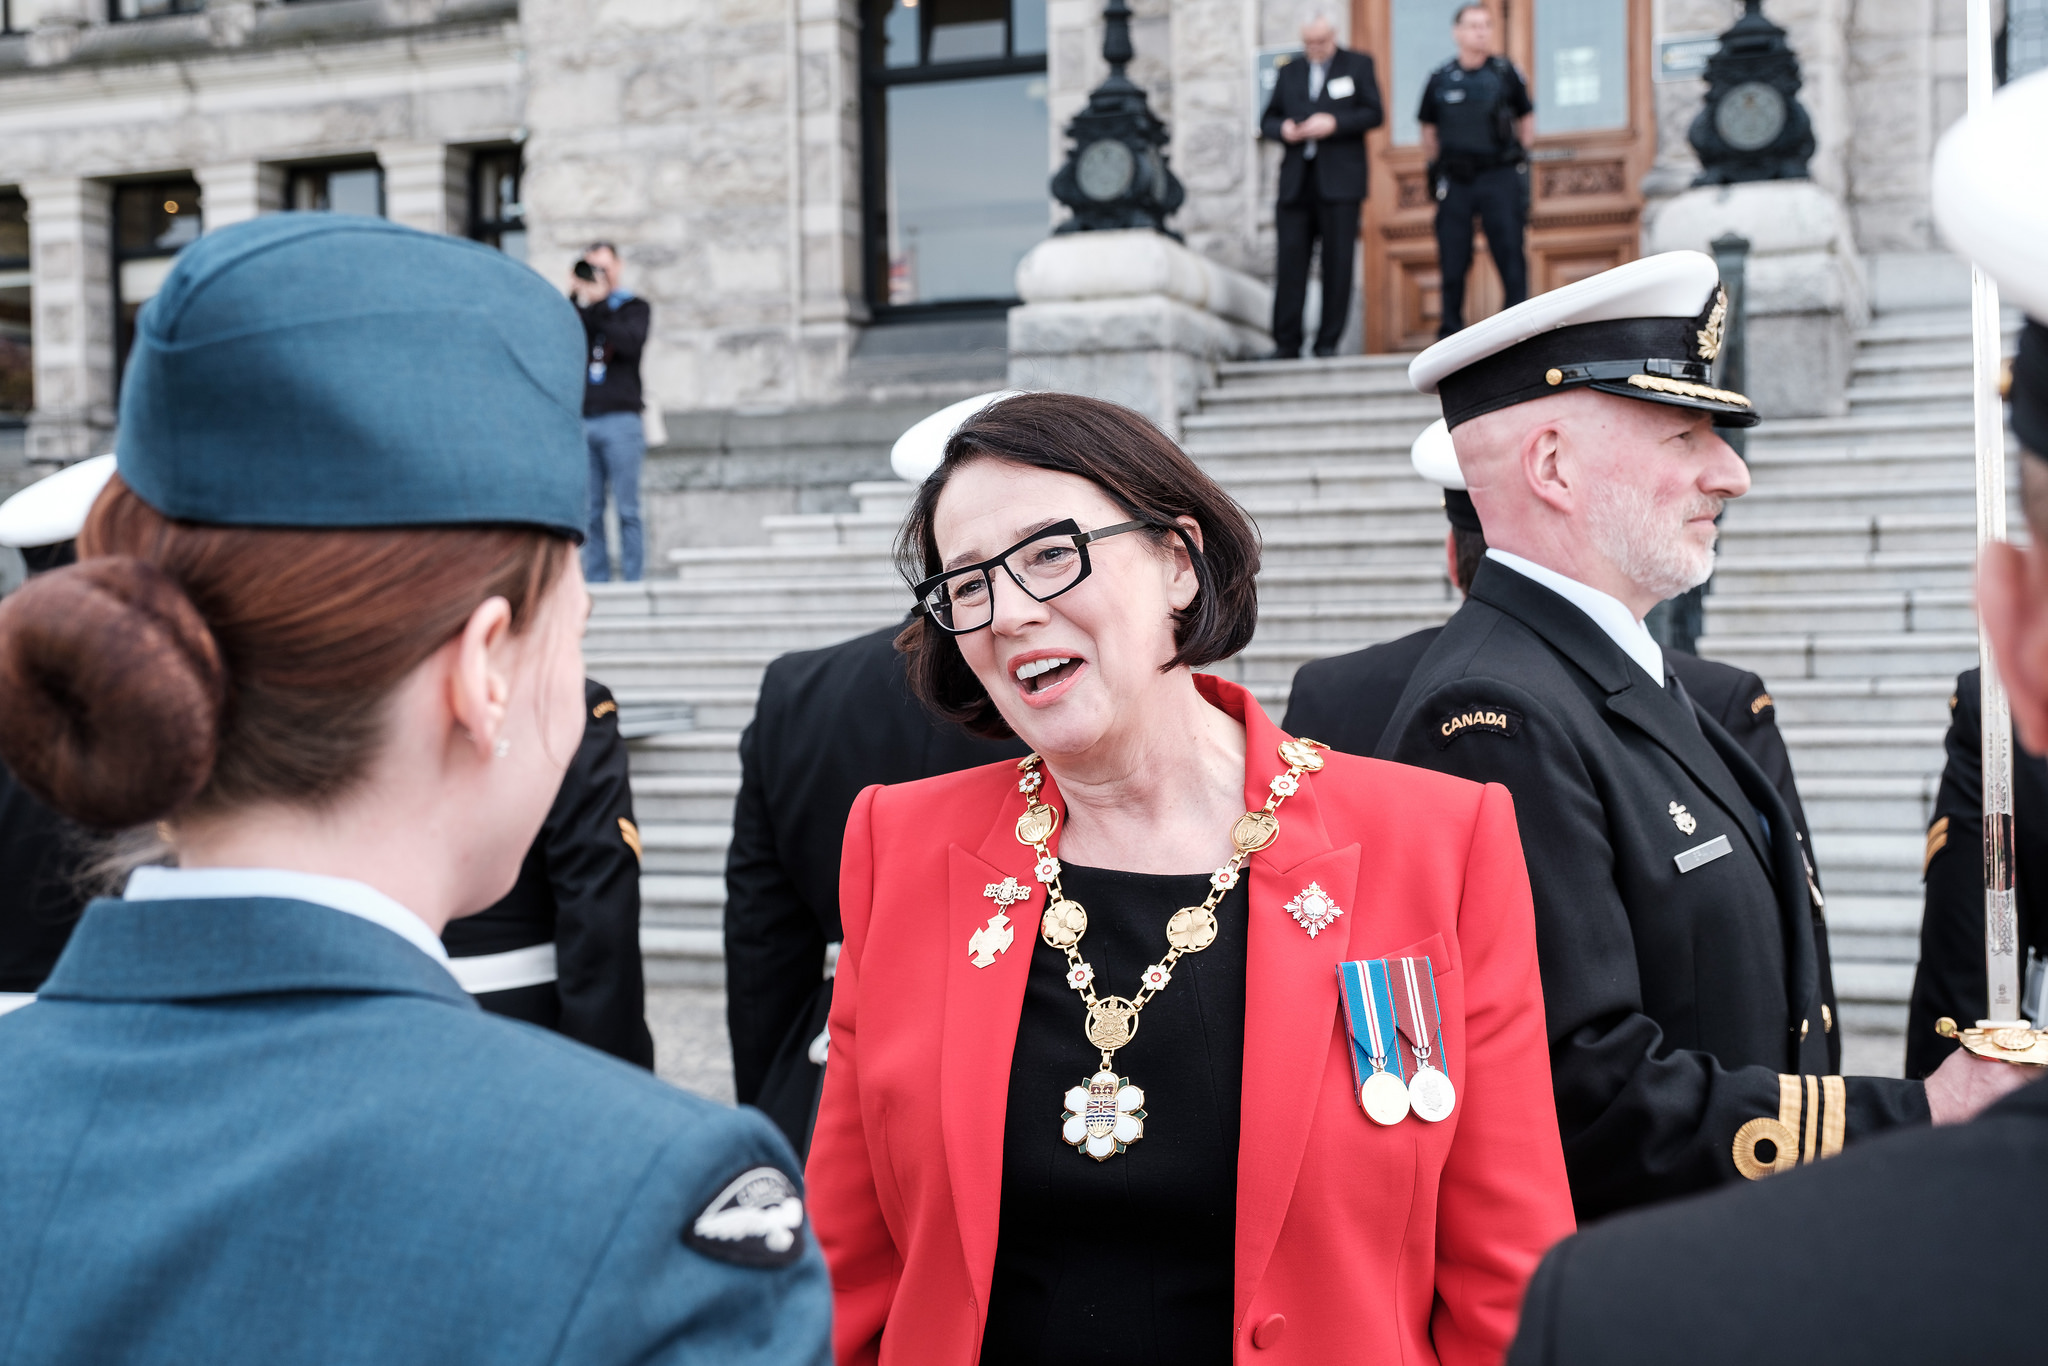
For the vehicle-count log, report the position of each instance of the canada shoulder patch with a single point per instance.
(756, 1220)
(1477, 720)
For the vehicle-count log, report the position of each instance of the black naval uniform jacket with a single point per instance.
(828, 724)
(1931, 1241)
(1345, 701)
(1950, 979)
(1684, 1000)
(580, 887)
(1340, 157)
(42, 857)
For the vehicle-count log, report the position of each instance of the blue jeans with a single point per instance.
(617, 443)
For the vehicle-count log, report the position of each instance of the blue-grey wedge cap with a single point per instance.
(325, 370)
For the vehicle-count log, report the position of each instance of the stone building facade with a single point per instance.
(730, 149)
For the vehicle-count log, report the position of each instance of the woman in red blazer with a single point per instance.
(1006, 1168)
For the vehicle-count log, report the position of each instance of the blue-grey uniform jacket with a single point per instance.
(258, 1130)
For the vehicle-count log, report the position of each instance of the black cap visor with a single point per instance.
(1658, 360)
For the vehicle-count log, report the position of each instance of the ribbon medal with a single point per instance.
(1429, 1089)
(1368, 1010)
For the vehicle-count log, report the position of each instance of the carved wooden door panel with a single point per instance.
(1588, 67)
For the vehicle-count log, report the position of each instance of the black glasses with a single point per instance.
(1044, 564)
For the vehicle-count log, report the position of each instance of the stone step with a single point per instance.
(1907, 611)
(773, 630)
(1825, 573)
(1322, 628)
(661, 671)
(1888, 984)
(699, 564)
(1915, 327)
(1234, 452)
(682, 900)
(877, 529)
(688, 752)
(1283, 429)
(1905, 496)
(1864, 863)
(1276, 390)
(1861, 701)
(712, 706)
(1339, 368)
(1416, 510)
(890, 496)
(1836, 750)
(1866, 802)
(1751, 534)
(694, 798)
(785, 588)
(696, 848)
(1891, 428)
(1810, 655)
(1292, 585)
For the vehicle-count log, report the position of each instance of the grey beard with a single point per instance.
(1647, 544)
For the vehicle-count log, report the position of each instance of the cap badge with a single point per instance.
(1709, 337)
(1683, 819)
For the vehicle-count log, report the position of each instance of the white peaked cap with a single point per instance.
(53, 510)
(918, 451)
(1435, 459)
(1671, 284)
(1990, 189)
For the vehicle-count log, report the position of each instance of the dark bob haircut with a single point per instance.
(1142, 472)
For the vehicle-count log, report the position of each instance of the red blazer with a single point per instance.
(1354, 1242)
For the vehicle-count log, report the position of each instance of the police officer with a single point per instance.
(562, 949)
(324, 632)
(1476, 118)
(1346, 700)
(1950, 979)
(1685, 982)
(1925, 1247)
(828, 724)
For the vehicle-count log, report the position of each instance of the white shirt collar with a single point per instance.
(1607, 611)
(337, 893)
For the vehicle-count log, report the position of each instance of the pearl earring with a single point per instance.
(501, 749)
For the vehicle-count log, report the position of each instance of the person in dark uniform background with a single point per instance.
(43, 856)
(1950, 978)
(1322, 107)
(828, 724)
(562, 949)
(1476, 124)
(1924, 1246)
(1685, 978)
(1345, 701)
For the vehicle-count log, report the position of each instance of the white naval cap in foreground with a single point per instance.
(53, 510)
(918, 451)
(1436, 459)
(1990, 187)
(1649, 330)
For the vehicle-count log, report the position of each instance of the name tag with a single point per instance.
(1453, 96)
(1702, 853)
(1343, 88)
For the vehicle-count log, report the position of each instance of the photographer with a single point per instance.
(1476, 123)
(614, 332)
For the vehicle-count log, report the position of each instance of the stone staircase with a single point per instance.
(1845, 581)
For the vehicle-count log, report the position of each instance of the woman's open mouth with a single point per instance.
(1041, 676)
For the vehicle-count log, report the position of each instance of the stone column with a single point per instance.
(1133, 317)
(236, 191)
(426, 185)
(73, 317)
(831, 297)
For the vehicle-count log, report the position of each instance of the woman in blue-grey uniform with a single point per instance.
(324, 633)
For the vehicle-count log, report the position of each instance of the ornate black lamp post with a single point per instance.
(1116, 175)
(1753, 127)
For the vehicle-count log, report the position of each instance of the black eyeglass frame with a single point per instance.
(1069, 529)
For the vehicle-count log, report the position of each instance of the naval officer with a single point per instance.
(1685, 983)
(1925, 1246)
(1346, 700)
(324, 631)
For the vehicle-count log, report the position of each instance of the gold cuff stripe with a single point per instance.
(1687, 389)
(1834, 1124)
(1937, 840)
(630, 833)
(1812, 1120)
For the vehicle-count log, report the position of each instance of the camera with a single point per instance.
(583, 270)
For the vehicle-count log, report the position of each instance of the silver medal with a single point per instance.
(1384, 1098)
(1430, 1094)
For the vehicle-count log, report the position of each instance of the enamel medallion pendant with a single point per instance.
(1430, 1094)
(1105, 1115)
(1383, 1098)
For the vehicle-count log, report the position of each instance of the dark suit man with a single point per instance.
(1950, 979)
(1921, 1246)
(1686, 985)
(829, 723)
(562, 948)
(1322, 107)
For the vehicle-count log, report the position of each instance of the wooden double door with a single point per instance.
(1587, 63)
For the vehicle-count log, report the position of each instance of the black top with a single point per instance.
(1676, 994)
(1950, 979)
(1340, 157)
(580, 887)
(613, 335)
(1127, 1261)
(42, 858)
(1474, 110)
(1924, 1247)
(828, 723)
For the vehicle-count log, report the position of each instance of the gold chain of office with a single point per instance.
(1113, 1020)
